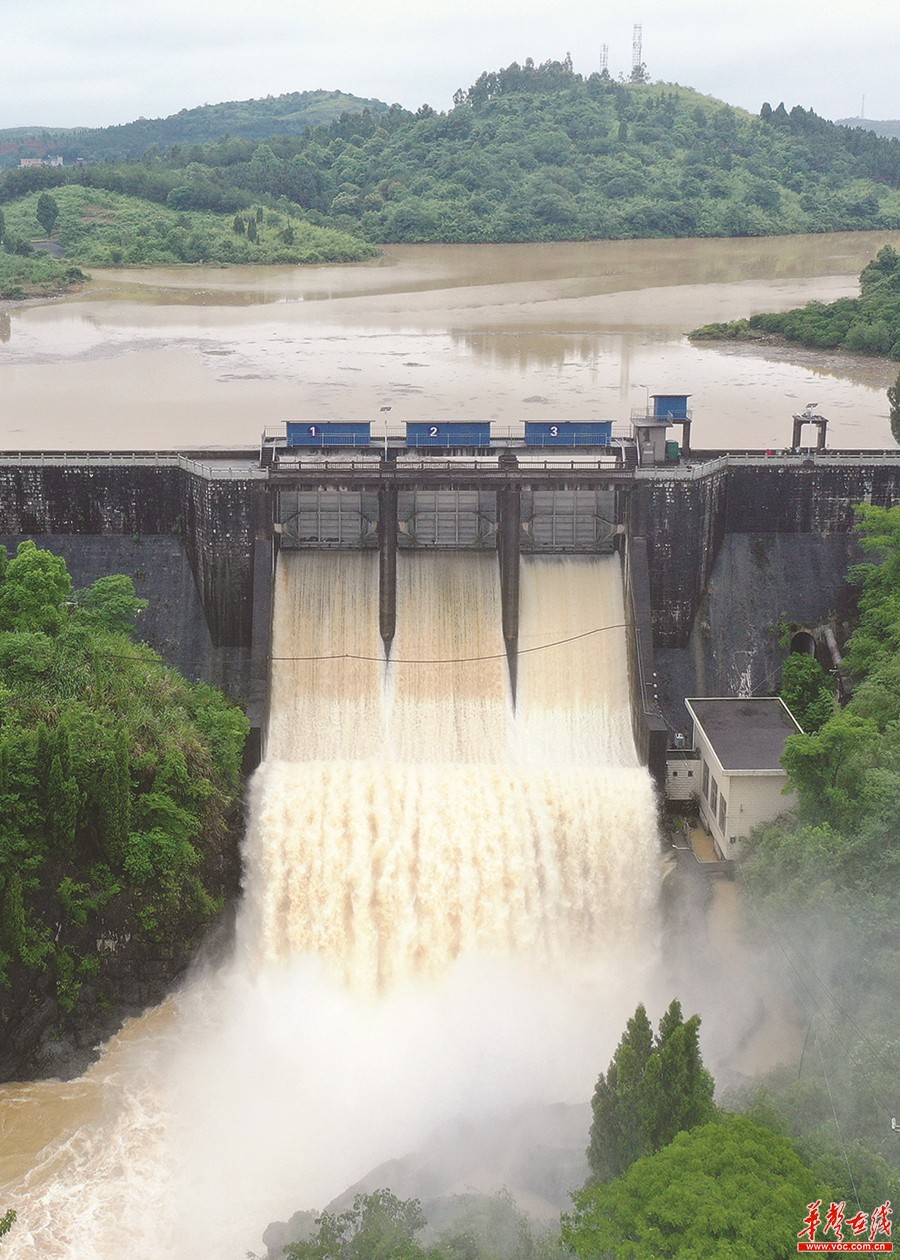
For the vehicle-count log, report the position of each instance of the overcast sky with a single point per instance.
(95, 62)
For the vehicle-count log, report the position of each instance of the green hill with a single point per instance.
(535, 153)
(289, 114)
(528, 153)
(97, 228)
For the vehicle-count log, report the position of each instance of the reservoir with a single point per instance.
(175, 357)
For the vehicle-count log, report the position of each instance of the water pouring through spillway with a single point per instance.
(447, 902)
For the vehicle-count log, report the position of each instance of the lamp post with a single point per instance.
(384, 411)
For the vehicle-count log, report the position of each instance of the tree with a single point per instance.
(679, 1088)
(47, 212)
(616, 1135)
(893, 396)
(118, 782)
(62, 805)
(34, 590)
(110, 604)
(727, 1189)
(807, 691)
(6, 1222)
(114, 800)
(828, 769)
(652, 1090)
(378, 1226)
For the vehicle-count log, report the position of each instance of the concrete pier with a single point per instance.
(509, 529)
(387, 564)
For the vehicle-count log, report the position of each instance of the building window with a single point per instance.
(690, 774)
(722, 810)
(713, 797)
(705, 780)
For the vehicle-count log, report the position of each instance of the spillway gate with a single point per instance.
(448, 505)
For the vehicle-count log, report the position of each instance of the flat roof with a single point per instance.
(745, 734)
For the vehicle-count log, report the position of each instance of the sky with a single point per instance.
(98, 62)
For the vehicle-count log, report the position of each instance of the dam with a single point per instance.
(200, 531)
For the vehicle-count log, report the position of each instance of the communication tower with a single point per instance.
(604, 58)
(637, 40)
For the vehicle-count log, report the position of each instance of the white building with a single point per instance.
(47, 161)
(740, 743)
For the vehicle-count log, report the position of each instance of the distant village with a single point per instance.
(45, 161)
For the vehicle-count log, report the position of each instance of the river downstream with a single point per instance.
(185, 357)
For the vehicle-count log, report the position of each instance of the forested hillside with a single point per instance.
(540, 153)
(289, 114)
(97, 228)
(120, 788)
(529, 153)
(821, 886)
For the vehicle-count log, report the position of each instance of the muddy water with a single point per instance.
(194, 357)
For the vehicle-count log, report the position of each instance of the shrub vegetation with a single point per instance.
(869, 324)
(119, 787)
(98, 228)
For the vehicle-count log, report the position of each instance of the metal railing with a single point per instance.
(854, 458)
(211, 469)
(668, 417)
(703, 465)
(230, 468)
(682, 472)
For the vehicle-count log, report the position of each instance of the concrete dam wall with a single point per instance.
(187, 539)
(737, 548)
(717, 553)
(686, 515)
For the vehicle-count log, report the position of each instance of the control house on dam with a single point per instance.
(717, 548)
